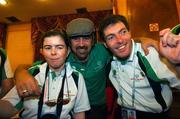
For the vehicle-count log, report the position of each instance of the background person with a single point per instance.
(6, 74)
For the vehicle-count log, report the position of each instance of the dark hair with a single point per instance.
(60, 33)
(112, 19)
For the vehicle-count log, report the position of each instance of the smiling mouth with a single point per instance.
(82, 50)
(121, 47)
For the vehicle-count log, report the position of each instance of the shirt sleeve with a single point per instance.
(5, 65)
(82, 101)
(161, 69)
(13, 97)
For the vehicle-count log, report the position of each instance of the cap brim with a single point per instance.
(82, 35)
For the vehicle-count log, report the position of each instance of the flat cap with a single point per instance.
(80, 27)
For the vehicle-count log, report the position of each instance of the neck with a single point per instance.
(84, 60)
(81, 60)
(59, 69)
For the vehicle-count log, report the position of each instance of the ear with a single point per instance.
(68, 51)
(41, 51)
(105, 44)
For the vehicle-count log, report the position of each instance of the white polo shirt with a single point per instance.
(78, 96)
(127, 76)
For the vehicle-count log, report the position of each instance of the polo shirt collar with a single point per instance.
(69, 70)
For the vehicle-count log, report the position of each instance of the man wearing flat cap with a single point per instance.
(91, 59)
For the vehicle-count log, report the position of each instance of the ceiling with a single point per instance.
(24, 10)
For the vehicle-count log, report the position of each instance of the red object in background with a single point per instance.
(111, 100)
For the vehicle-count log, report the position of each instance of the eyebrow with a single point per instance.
(55, 45)
(118, 31)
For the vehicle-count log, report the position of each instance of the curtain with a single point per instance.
(3, 28)
(42, 24)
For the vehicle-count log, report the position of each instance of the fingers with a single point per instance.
(169, 39)
(163, 36)
(161, 48)
(25, 92)
(164, 31)
(33, 88)
(22, 90)
(148, 42)
(171, 53)
(146, 51)
(30, 85)
(177, 39)
(165, 39)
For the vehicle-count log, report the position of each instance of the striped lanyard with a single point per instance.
(121, 87)
(59, 100)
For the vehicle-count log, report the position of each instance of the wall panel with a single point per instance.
(145, 12)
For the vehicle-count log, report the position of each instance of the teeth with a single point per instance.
(121, 47)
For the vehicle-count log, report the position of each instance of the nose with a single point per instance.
(119, 38)
(53, 51)
(81, 41)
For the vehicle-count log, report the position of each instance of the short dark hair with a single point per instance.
(60, 33)
(112, 19)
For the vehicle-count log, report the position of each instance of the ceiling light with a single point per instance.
(3, 2)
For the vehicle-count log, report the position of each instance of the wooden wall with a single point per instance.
(18, 45)
(141, 13)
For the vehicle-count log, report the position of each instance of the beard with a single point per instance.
(82, 49)
(81, 53)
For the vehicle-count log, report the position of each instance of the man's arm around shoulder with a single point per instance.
(25, 81)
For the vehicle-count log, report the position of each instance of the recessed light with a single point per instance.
(3, 2)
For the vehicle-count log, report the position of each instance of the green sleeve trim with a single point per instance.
(3, 60)
(176, 29)
(3, 52)
(4, 76)
(37, 63)
(19, 105)
(35, 68)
